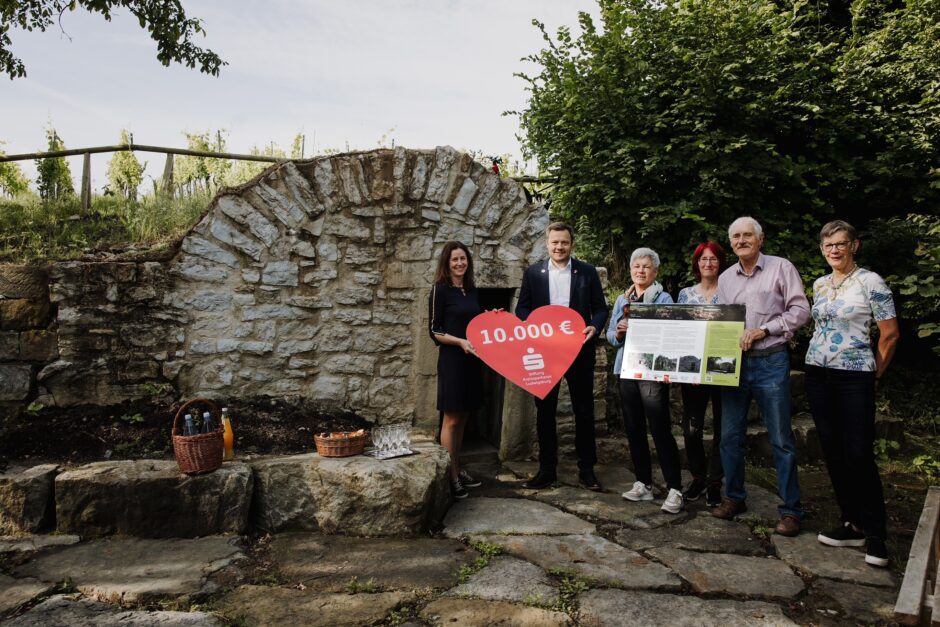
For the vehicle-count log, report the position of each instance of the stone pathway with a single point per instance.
(505, 556)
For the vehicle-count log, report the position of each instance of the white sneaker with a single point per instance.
(639, 492)
(674, 502)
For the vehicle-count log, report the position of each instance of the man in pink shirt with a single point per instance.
(772, 291)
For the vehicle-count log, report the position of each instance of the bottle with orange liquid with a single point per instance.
(228, 436)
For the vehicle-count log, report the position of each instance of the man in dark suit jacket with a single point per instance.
(561, 280)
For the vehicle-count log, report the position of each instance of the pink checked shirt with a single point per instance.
(773, 295)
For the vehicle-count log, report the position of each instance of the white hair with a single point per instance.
(645, 252)
(757, 227)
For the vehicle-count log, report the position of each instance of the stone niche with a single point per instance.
(312, 280)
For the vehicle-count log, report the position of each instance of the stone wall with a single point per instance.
(311, 280)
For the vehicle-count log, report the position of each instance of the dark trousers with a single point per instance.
(642, 401)
(580, 378)
(694, 401)
(843, 406)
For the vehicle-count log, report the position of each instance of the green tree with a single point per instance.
(12, 180)
(165, 20)
(125, 172)
(204, 174)
(55, 177)
(677, 116)
(244, 171)
(297, 147)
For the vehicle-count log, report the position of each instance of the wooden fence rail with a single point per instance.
(920, 591)
(168, 168)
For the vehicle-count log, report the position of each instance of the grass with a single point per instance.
(34, 231)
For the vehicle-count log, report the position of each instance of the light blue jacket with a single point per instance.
(617, 316)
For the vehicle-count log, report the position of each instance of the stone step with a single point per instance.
(151, 498)
(357, 495)
(614, 449)
(479, 452)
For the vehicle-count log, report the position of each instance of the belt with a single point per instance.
(763, 352)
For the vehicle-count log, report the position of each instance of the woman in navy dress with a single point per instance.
(452, 305)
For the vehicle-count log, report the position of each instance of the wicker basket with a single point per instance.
(341, 444)
(200, 453)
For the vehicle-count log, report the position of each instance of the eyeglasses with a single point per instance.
(707, 260)
(831, 246)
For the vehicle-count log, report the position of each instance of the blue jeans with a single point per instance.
(766, 379)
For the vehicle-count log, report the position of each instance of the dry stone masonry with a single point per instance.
(311, 280)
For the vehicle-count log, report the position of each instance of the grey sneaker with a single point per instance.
(639, 492)
(468, 481)
(674, 502)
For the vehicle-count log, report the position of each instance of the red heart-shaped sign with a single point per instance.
(534, 354)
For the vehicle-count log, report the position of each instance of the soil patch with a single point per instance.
(141, 430)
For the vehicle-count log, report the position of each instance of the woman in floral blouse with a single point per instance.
(842, 369)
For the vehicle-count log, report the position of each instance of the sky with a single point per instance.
(421, 73)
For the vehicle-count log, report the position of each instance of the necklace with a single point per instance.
(838, 286)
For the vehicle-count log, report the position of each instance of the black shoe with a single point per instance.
(844, 535)
(468, 481)
(457, 489)
(539, 481)
(695, 489)
(588, 480)
(877, 553)
(713, 495)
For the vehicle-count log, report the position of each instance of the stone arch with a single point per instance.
(312, 279)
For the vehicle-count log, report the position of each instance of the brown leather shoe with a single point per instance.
(729, 508)
(788, 526)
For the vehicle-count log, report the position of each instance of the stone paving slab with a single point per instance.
(486, 515)
(137, 570)
(807, 554)
(592, 557)
(473, 612)
(328, 563)
(717, 573)
(77, 612)
(31, 544)
(15, 593)
(761, 502)
(703, 533)
(615, 478)
(861, 604)
(602, 608)
(263, 605)
(611, 507)
(508, 579)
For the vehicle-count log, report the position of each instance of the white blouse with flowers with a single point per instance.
(843, 315)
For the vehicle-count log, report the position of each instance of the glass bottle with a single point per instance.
(228, 436)
(188, 427)
(206, 422)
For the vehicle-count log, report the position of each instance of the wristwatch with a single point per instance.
(764, 328)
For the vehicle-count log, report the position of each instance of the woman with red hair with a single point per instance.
(708, 261)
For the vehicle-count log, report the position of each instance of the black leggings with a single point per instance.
(642, 401)
(694, 401)
(843, 406)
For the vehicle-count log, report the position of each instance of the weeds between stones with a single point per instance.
(759, 526)
(353, 585)
(487, 552)
(570, 586)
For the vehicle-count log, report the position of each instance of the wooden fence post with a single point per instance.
(166, 185)
(86, 182)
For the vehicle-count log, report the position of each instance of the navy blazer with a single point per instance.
(587, 296)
